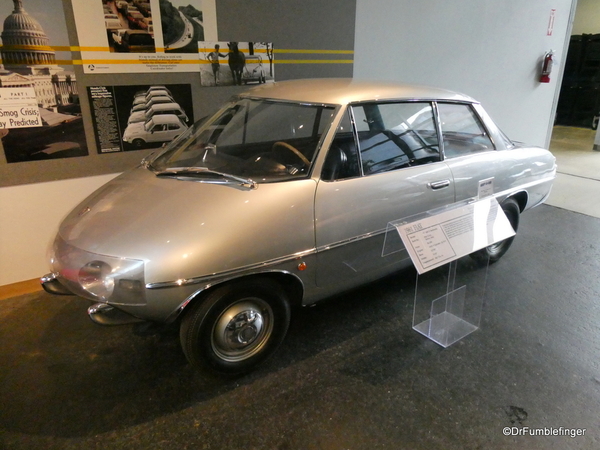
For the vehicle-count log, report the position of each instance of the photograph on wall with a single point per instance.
(36, 55)
(139, 117)
(236, 63)
(182, 26)
(129, 27)
(137, 36)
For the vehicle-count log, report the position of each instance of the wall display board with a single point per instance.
(236, 63)
(33, 61)
(128, 36)
(86, 69)
(140, 116)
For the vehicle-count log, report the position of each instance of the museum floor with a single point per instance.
(352, 374)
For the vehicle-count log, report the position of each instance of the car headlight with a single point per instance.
(102, 278)
(95, 277)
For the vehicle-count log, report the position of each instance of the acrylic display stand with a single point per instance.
(449, 301)
(450, 285)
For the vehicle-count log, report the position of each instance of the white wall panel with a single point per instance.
(489, 49)
(29, 218)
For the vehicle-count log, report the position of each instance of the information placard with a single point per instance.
(19, 108)
(438, 239)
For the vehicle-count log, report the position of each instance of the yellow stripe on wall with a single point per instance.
(164, 57)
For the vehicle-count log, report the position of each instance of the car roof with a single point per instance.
(170, 105)
(166, 118)
(347, 90)
(160, 99)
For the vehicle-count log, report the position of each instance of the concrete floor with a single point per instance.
(352, 374)
(577, 184)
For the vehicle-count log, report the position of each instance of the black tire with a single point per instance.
(138, 143)
(494, 252)
(260, 311)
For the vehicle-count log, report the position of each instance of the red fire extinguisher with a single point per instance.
(546, 67)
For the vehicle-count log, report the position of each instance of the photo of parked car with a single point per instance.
(156, 130)
(253, 70)
(157, 109)
(129, 26)
(149, 103)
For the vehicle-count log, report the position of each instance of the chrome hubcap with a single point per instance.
(242, 330)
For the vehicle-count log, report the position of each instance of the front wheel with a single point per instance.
(495, 251)
(236, 327)
(138, 143)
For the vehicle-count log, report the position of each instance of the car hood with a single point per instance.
(134, 128)
(186, 229)
(137, 116)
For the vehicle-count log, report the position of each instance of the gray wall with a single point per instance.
(489, 49)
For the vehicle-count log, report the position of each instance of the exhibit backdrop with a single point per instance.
(88, 61)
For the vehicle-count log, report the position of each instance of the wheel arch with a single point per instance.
(292, 286)
(521, 198)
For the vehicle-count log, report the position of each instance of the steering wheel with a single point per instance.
(293, 149)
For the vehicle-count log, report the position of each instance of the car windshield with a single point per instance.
(148, 124)
(259, 140)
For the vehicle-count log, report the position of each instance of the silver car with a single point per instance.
(282, 198)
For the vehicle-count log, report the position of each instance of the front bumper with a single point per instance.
(100, 313)
(104, 314)
(51, 285)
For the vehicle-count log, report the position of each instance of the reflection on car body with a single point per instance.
(282, 198)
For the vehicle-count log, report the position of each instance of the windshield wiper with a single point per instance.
(201, 172)
(146, 161)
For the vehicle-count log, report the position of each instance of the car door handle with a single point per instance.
(439, 184)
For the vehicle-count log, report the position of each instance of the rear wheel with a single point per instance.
(495, 251)
(236, 327)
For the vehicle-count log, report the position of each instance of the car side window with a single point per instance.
(342, 158)
(462, 132)
(395, 135)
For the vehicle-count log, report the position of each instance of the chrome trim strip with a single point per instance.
(249, 95)
(351, 240)
(48, 277)
(226, 273)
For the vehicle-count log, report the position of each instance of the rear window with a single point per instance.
(462, 131)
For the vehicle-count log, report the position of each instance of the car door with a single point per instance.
(158, 133)
(383, 164)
